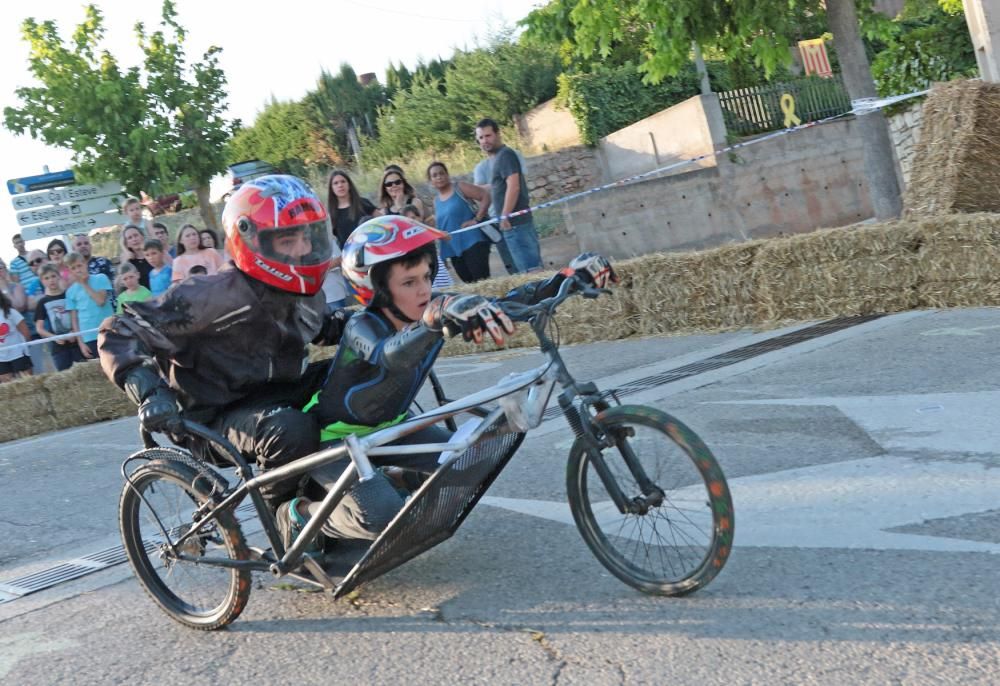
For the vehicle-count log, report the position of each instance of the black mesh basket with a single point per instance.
(438, 508)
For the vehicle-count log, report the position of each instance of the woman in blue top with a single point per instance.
(469, 251)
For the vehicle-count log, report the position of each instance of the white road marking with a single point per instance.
(841, 505)
(960, 331)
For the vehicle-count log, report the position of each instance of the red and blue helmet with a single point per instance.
(278, 232)
(379, 241)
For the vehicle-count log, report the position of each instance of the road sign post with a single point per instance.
(40, 182)
(81, 225)
(48, 207)
(56, 196)
(73, 210)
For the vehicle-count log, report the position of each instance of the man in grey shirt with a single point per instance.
(481, 177)
(509, 191)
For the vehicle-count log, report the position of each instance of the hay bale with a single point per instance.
(711, 290)
(835, 272)
(959, 260)
(83, 395)
(955, 166)
(26, 409)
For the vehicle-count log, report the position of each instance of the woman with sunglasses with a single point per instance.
(56, 251)
(395, 193)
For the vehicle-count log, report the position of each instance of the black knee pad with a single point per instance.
(285, 434)
(378, 502)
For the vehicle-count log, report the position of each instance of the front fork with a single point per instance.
(596, 440)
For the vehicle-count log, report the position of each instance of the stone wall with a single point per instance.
(556, 174)
(904, 127)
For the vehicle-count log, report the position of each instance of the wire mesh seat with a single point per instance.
(439, 506)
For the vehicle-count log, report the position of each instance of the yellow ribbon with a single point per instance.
(788, 109)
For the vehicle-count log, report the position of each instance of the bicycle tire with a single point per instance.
(150, 556)
(696, 503)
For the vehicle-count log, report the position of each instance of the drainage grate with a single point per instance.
(13, 589)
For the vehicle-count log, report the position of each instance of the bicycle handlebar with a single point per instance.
(520, 312)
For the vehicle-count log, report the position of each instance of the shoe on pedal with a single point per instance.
(291, 522)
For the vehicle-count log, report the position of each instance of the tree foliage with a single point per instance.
(931, 44)
(157, 128)
(286, 135)
(498, 80)
(660, 32)
(607, 100)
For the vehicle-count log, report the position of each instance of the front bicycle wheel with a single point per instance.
(676, 534)
(159, 506)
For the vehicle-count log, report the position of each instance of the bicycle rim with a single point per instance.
(201, 596)
(679, 544)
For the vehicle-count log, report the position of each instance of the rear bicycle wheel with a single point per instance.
(676, 537)
(161, 503)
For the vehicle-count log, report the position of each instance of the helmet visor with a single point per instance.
(305, 244)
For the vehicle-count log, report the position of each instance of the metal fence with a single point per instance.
(748, 111)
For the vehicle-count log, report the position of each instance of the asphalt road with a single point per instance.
(863, 466)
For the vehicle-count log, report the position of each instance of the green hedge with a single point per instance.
(611, 99)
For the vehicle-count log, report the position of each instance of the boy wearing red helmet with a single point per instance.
(229, 349)
(387, 351)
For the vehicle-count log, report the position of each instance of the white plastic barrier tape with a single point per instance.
(859, 108)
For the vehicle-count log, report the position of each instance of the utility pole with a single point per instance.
(983, 18)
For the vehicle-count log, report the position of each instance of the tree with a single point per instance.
(659, 34)
(759, 28)
(156, 129)
(285, 135)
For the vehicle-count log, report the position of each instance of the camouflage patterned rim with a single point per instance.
(677, 544)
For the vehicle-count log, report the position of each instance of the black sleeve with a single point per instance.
(145, 329)
(535, 291)
(333, 327)
(372, 341)
(41, 314)
(367, 207)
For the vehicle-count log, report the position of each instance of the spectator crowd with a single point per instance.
(63, 294)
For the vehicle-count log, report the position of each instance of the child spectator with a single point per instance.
(134, 215)
(88, 300)
(14, 360)
(162, 234)
(442, 278)
(130, 290)
(132, 242)
(161, 274)
(56, 251)
(190, 253)
(52, 319)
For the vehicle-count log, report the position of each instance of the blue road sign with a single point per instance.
(40, 182)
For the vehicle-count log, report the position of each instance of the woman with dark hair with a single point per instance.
(190, 253)
(346, 206)
(469, 251)
(57, 250)
(209, 239)
(395, 193)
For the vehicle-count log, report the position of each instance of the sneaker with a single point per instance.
(291, 523)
